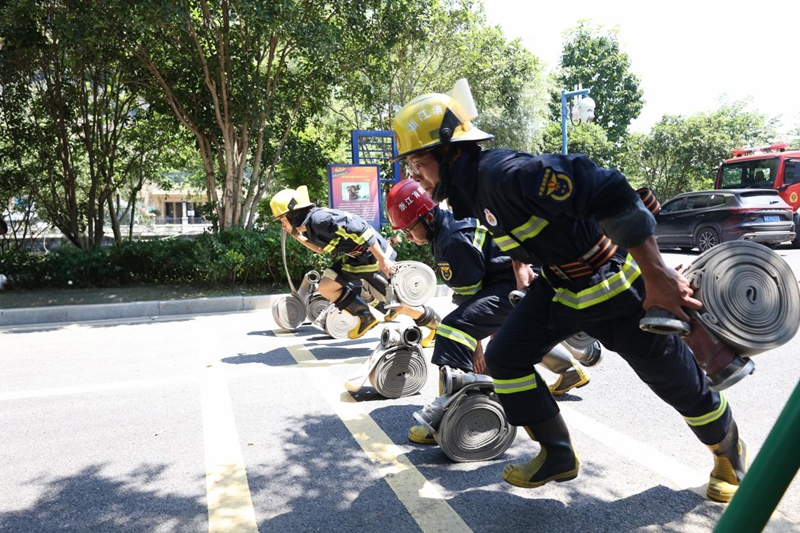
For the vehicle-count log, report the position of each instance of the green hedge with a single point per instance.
(232, 258)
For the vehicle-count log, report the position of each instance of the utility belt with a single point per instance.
(356, 251)
(588, 263)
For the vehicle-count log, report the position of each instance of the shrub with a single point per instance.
(236, 257)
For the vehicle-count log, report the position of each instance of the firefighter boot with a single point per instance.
(420, 433)
(730, 465)
(355, 305)
(557, 461)
(570, 374)
(430, 320)
(389, 314)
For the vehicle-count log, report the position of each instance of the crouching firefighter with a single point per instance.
(481, 278)
(601, 270)
(361, 251)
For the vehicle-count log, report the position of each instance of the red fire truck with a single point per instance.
(765, 167)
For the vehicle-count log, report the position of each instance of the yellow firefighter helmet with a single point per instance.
(289, 200)
(434, 119)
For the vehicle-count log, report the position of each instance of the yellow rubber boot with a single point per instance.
(420, 435)
(730, 465)
(557, 461)
(355, 305)
(574, 378)
(430, 320)
(570, 374)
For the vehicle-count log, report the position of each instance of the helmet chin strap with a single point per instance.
(428, 225)
(442, 189)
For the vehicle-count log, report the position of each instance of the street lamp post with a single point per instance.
(587, 112)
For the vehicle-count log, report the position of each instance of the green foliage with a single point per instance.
(232, 258)
(408, 251)
(589, 139)
(682, 154)
(440, 42)
(592, 58)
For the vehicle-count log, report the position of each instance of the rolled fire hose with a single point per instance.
(414, 283)
(396, 367)
(290, 311)
(316, 305)
(467, 420)
(304, 303)
(751, 304)
(339, 323)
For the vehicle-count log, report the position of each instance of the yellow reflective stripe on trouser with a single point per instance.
(479, 238)
(353, 269)
(603, 291)
(510, 386)
(707, 418)
(457, 336)
(468, 290)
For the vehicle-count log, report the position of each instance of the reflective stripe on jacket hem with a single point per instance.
(603, 291)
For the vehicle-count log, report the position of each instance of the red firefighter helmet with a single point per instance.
(406, 202)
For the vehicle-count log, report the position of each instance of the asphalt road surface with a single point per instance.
(228, 423)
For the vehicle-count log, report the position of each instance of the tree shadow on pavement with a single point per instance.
(327, 483)
(92, 501)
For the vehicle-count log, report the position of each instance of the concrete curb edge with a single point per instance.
(191, 306)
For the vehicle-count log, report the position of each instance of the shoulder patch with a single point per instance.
(555, 186)
(445, 271)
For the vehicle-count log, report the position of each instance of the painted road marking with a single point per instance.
(655, 461)
(424, 502)
(230, 506)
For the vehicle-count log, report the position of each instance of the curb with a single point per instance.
(191, 306)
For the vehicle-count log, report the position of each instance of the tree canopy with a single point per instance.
(591, 58)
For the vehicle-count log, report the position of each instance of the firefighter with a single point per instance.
(481, 277)
(594, 238)
(363, 253)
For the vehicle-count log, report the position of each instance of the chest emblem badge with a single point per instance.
(489, 216)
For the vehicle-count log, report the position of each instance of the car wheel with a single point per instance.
(706, 239)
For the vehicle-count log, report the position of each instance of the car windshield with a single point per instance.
(753, 174)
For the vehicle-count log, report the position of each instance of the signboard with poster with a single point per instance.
(354, 188)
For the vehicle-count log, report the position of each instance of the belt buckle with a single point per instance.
(560, 273)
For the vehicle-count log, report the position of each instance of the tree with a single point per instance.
(67, 114)
(244, 76)
(592, 59)
(682, 154)
(589, 139)
(442, 41)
